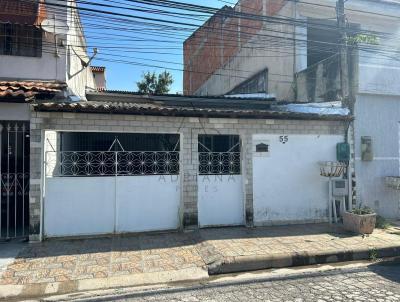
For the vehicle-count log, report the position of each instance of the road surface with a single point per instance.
(378, 282)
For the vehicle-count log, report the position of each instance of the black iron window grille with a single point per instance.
(112, 163)
(112, 159)
(219, 155)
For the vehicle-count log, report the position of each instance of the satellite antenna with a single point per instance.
(55, 27)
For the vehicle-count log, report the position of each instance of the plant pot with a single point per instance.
(361, 224)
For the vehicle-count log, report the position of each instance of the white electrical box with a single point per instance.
(340, 187)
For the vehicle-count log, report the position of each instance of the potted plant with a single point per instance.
(361, 220)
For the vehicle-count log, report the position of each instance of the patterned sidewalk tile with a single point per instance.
(65, 260)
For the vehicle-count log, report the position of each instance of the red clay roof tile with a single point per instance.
(98, 68)
(29, 89)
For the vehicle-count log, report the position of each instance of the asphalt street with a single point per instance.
(377, 282)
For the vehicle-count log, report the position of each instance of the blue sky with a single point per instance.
(114, 44)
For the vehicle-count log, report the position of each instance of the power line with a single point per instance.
(284, 39)
(289, 21)
(235, 32)
(298, 40)
(271, 36)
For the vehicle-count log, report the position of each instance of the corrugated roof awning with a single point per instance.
(170, 105)
(22, 12)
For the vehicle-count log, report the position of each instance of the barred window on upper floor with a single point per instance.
(20, 40)
(256, 84)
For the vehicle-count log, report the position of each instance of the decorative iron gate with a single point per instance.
(14, 180)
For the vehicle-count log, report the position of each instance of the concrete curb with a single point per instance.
(219, 265)
(8, 292)
(280, 260)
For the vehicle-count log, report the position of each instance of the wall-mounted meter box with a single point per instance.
(340, 187)
(366, 148)
(261, 148)
(343, 152)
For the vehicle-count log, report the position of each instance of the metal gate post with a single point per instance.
(8, 181)
(115, 192)
(1, 176)
(23, 179)
(15, 178)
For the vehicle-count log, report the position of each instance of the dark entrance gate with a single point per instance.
(14, 176)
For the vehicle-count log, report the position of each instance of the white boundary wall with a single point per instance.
(286, 181)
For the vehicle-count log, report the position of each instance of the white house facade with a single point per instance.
(128, 163)
(377, 136)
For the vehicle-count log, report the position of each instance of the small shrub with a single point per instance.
(382, 223)
(362, 211)
(373, 254)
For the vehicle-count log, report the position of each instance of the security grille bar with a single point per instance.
(112, 163)
(14, 180)
(221, 163)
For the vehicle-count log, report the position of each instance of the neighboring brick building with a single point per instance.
(215, 43)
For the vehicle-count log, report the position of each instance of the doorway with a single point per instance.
(14, 180)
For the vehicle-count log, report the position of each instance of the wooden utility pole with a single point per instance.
(344, 67)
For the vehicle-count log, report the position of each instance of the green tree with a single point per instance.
(155, 84)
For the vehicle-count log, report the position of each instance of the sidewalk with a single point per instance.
(64, 266)
(285, 246)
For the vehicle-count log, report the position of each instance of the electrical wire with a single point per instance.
(280, 42)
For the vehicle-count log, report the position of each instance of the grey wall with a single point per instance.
(319, 82)
(14, 112)
(378, 116)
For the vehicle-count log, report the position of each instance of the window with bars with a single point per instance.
(219, 155)
(256, 84)
(20, 40)
(111, 154)
(89, 141)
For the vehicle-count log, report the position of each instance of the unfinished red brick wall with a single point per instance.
(211, 46)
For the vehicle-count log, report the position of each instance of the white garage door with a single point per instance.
(286, 181)
(103, 192)
(103, 205)
(148, 203)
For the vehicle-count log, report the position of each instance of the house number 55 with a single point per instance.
(283, 139)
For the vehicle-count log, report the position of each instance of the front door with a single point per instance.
(220, 181)
(14, 180)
